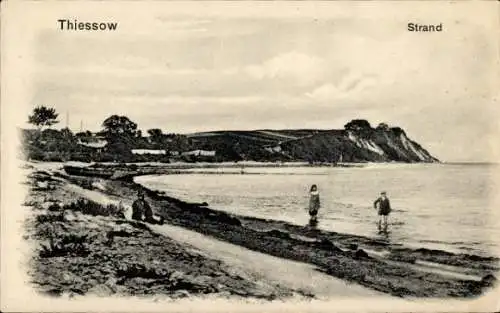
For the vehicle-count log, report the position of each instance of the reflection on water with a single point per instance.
(434, 205)
(384, 236)
(313, 223)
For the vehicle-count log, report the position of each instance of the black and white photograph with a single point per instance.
(216, 156)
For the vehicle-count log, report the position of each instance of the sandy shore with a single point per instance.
(263, 267)
(322, 263)
(122, 257)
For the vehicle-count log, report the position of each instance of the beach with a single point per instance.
(227, 254)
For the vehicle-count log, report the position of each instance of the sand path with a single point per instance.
(294, 275)
(261, 267)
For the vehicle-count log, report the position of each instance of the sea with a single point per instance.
(447, 207)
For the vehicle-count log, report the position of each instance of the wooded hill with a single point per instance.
(357, 142)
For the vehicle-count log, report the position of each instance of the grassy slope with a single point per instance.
(309, 145)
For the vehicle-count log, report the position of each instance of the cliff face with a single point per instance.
(355, 146)
(358, 142)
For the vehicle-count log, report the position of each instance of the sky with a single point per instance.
(183, 71)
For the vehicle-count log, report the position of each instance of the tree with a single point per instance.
(67, 133)
(383, 126)
(121, 134)
(397, 131)
(156, 136)
(43, 116)
(357, 125)
(155, 133)
(85, 134)
(119, 126)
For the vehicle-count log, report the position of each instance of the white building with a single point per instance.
(148, 151)
(200, 153)
(99, 144)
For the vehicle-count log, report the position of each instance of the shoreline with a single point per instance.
(376, 245)
(127, 171)
(126, 174)
(445, 247)
(239, 164)
(391, 269)
(79, 249)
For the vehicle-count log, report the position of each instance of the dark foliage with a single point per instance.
(68, 245)
(93, 208)
(357, 124)
(309, 145)
(140, 270)
(43, 116)
(49, 218)
(115, 126)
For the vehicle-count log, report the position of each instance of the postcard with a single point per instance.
(250, 156)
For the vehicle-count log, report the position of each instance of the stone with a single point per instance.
(361, 254)
(49, 203)
(326, 244)
(42, 185)
(176, 275)
(489, 280)
(279, 234)
(54, 207)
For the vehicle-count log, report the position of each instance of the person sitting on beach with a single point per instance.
(150, 218)
(141, 211)
(314, 203)
(384, 208)
(139, 207)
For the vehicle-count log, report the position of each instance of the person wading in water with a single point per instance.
(314, 203)
(141, 211)
(384, 208)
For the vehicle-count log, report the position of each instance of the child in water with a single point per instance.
(384, 208)
(314, 203)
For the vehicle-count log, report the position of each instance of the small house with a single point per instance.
(148, 151)
(205, 153)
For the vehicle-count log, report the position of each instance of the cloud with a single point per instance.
(294, 65)
(350, 85)
(195, 100)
